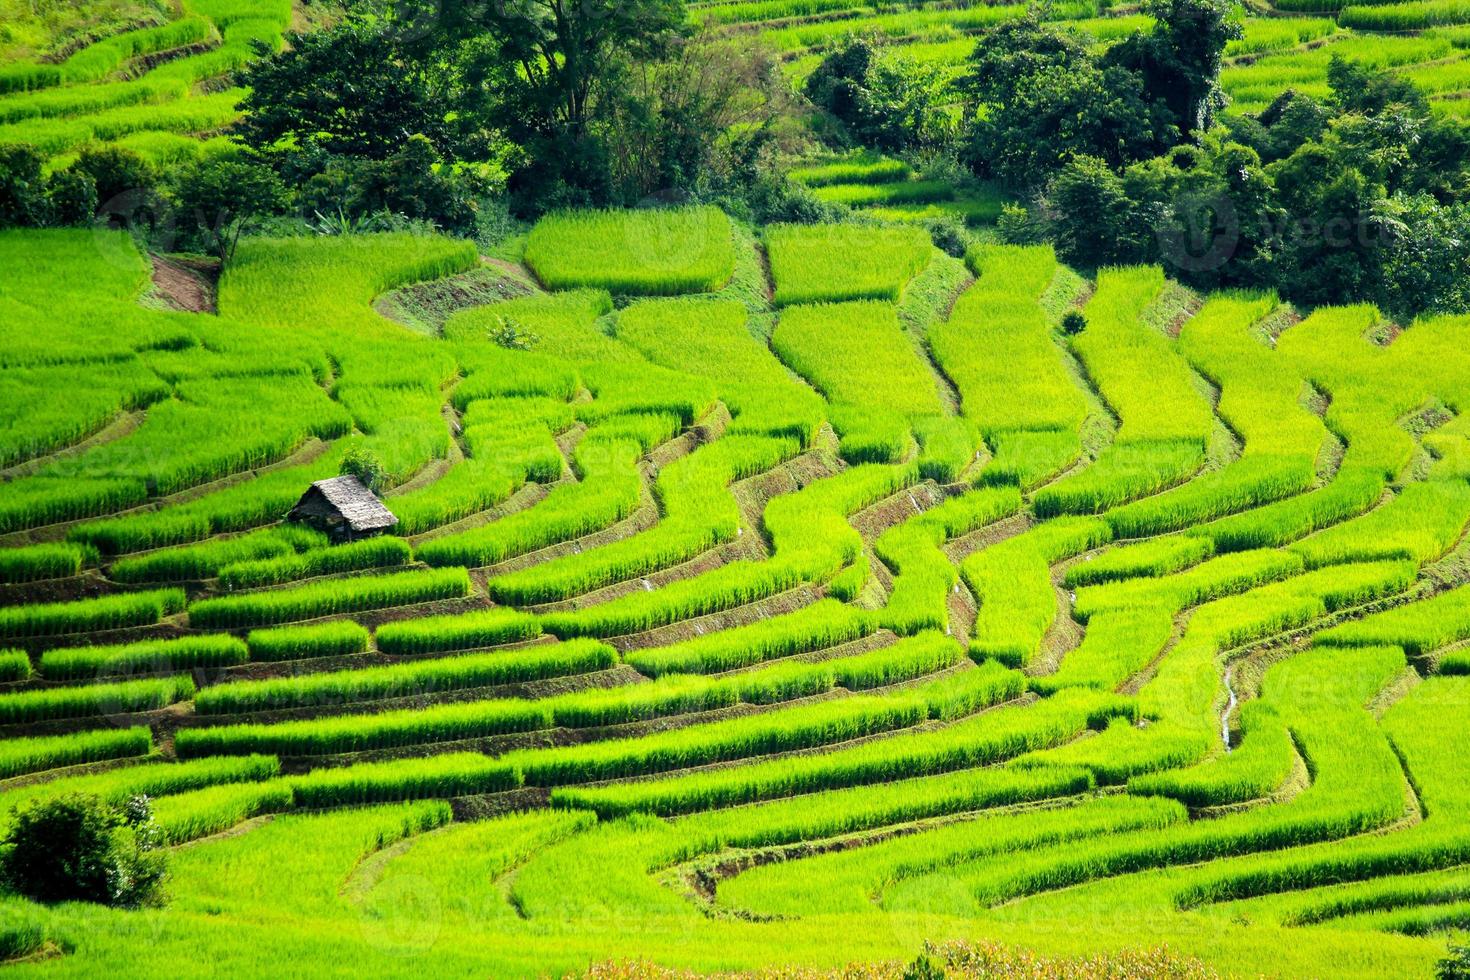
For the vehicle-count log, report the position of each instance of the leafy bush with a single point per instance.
(80, 848)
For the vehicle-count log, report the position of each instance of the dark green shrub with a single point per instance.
(80, 848)
(1073, 323)
(367, 467)
(1455, 965)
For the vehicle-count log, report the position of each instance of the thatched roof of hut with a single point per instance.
(347, 497)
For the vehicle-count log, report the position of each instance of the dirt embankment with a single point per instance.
(188, 285)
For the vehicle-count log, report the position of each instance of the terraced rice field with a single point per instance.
(163, 89)
(1285, 46)
(160, 90)
(761, 622)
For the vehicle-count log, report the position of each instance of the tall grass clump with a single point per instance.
(467, 631)
(415, 679)
(644, 252)
(333, 639)
(329, 598)
(90, 615)
(359, 733)
(19, 756)
(378, 552)
(837, 263)
(95, 700)
(41, 561)
(144, 657)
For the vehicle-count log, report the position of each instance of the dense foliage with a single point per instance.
(82, 848)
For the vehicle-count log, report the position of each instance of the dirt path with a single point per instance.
(185, 285)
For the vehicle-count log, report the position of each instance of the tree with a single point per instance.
(224, 198)
(1425, 265)
(1018, 50)
(549, 61)
(545, 70)
(1455, 965)
(22, 189)
(1179, 60)
(124, 181)
(892, 103)
(1059, 113)
(81, 848)
(1092, 214)
(350, 90)
(71, 197)
(697, 121)
(1362, 89)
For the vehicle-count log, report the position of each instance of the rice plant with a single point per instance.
(697, 513)
(711, 338)
(793, 728)
(1419, 627)
(826, 623)
(1161, 556)
(19, 756)
(41, 561)
(90, 615)
(1125, 471)
(182, 563)
(331, 639)
(329, 598)
(608, 491)
(380, 552)
(648, 252)
(199, 813)
(359, 733)
(455, 774)
(15, 665)
(855, 168)
(144, 657)
(1141, 377)
(911, 657)
(838, 263)
(415, 679)
(857, 355)
(467, 631)
(976, 742)
(1421, 523)
(1012, 581)
(97, 700)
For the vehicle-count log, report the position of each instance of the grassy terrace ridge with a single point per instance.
(789, 635)
(833, 524)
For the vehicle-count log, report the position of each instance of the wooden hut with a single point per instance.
(342, 508)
